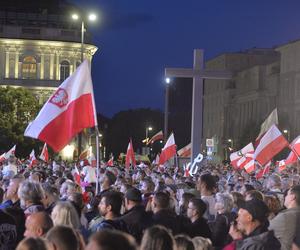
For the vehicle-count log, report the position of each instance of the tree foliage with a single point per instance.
(18, 107)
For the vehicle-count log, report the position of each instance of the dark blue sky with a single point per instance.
(137, 39)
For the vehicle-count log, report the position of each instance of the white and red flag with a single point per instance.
(281, 165)
(263, 171)
(10, 152)
(239, 157)
(77, 175)
(67, 112)
(266, 125)
(156, 137)
(270, 145)
(32, 159)
(110, 162)
(130, 157)
(185, 151)
(44, 156)
(168, 151)
(295, 145)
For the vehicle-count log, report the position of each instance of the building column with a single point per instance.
(17, 64)
(57, 66)
(51, 66)
(42, 72)
(6, 63)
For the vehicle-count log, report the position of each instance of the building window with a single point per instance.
(29, 68)
(64, 70)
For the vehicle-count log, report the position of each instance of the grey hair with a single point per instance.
(31, 191)
(226, 200)
(274, 180)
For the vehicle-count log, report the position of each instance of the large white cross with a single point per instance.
(198, 73)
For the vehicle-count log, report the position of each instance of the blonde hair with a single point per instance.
(65, 214)
(201, 243)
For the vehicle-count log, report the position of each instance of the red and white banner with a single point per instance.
(77, 175)
(32, 159)
(271, 120)
(110, 162)
(168, 151)
(295, 145)
(292, 158)
(67, 112)
(263, 171)
(130, 157)
(44, 154)
(270, 145)
(281, 165)
(185, 151)
(237, 158)
(156, 137)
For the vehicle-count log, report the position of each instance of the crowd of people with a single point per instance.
(148, 208)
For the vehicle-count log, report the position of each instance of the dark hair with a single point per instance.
(111, 177)
(32, 244)
(162, 200)
(63, 237)
(46, 221)
(255, 194)
(296, 191)
(199, 205)
(209, 181)
(112, 240)
(184, 242)
(248, 187)
(113, 199)
(158, 238)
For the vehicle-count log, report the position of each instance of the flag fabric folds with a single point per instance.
(67, 112)
(156, 137)
(238, 159)
(44, 156)
(185, 151)
(168, 151)
(130, 157)
(32, 159)
(270, 145)
(263, 171)
(110, 162)
(266, 125)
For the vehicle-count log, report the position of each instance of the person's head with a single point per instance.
(111, 240)
(252, 214)
(160, 201)
(77, 201)
(274, 182)
(65, 214)
(184, 201)
(107, 179)
(293, 197)
(110, 204)
(67, 188)
(273, 204)
(133, 197)
(30, 192)
(224, 203)
(184, 242)
(206, 184)
(196, 209)
(157, 238)
(147, 186)
(201, 243)
(32, 243)
(245, 188)
(37, 224)
(254, 194)
(51, 194)
(63, 238)
(12, 189)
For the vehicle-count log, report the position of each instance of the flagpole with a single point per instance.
(97, 159)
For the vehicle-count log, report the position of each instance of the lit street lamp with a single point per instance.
(91, 17)
(168, 81)
(287, 132)
(148, 129)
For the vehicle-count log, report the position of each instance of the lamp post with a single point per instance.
(148, 129)
(168, 81)
(91, 17)
(287, 132)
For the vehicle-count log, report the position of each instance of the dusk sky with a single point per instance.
(137, 39)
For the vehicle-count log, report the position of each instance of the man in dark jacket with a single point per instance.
(253, 222)
(136, 218)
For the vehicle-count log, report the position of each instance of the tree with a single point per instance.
(18, 107)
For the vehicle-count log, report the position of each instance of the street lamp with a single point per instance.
(168, 81)
(91, 17)
(148, 129)
(287, 132)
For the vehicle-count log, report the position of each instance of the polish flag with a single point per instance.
(250, 165)
(32, 159)
(187, 171)
(67, 112)
(281, 165)
(267, 124)
(270, 145)
(110, 162)
(10, 152)
(263, 171)
(156, 137)
(44, 154)
(295, 145)
(238, 157)
(77, 175)
(185, 151)
(292, 158)
(168, 151)
(130, 157)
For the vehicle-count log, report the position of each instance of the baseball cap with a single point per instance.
(257, 208)
(134, 194)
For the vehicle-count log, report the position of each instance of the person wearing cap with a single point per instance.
(252, 221)
(285, 223)
(136, 218)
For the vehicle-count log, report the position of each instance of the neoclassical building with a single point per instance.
(263, 79)
(39, 45)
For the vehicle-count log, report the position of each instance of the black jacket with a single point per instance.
(8, 231)
(137, 220)
(199, 228)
